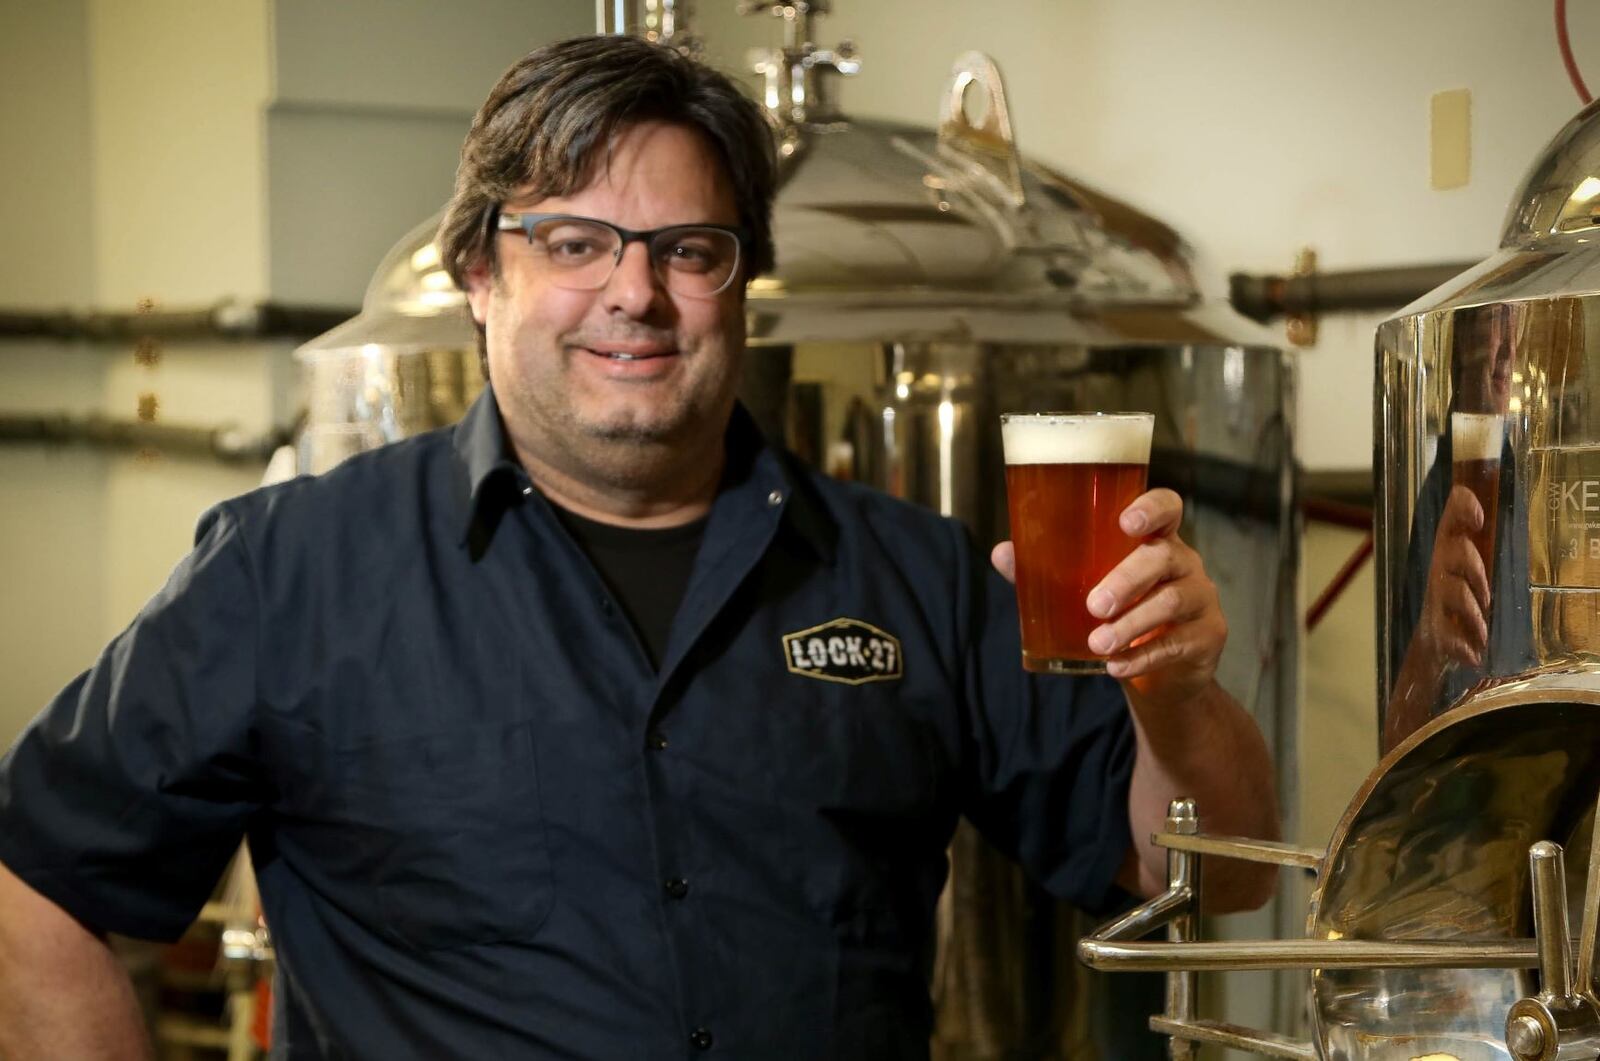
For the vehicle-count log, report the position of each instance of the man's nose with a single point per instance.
(633, 288)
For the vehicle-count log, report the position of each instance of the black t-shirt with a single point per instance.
(647, 570)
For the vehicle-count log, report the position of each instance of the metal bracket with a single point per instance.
(989, 142)
(1301, 328)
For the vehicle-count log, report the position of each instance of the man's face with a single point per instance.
(566, 395)
(1485, 350)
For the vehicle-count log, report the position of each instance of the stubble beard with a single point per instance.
(628, 449)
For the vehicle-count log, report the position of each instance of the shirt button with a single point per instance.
(677, 887)
(657, 741)
(527, 491)
(700, 1039)
(775, 498)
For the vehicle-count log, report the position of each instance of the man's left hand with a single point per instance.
(1162, 626)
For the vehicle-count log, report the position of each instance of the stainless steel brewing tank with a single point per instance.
(1487, 457)
(1508, 351)
(928, 281)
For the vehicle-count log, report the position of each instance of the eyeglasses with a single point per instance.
(581, 253)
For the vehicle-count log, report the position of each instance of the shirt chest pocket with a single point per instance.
(865, 801)
(444, 835)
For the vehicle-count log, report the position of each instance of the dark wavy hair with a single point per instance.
(554, 115)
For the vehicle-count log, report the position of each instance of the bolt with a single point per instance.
(1525, 1038)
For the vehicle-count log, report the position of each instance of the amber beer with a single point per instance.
(1475, 441)
(1068, 478)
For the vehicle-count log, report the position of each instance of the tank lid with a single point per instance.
(1560, 195)
(1550, 242)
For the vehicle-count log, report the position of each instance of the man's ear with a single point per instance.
(479, 282)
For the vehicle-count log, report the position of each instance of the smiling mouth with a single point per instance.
(623, 355)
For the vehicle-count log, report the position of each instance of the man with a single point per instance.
(595, 727)
(1448, 634)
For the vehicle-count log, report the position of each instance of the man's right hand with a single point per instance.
(63, 993)
(1455, 603)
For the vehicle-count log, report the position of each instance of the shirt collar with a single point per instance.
(487, 474)
(489, 479)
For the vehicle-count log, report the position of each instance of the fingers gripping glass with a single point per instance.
(581, 253)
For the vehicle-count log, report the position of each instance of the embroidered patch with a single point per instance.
(844, 650)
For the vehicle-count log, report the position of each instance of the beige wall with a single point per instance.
(51, 563)
(177, 92)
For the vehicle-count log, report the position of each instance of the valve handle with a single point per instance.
(1563, 1020)
(1548, 866)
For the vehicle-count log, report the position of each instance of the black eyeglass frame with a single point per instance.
(518, 221)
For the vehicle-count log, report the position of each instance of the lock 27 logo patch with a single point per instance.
(844, 650)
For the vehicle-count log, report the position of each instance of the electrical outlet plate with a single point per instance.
(1450, 139)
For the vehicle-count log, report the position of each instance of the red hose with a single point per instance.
(1341, 580)
(1565, 44)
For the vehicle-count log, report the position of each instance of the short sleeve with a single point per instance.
(124, 799)
(1050, 759)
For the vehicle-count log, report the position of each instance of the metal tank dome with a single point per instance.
(888, 230)
(406, 363)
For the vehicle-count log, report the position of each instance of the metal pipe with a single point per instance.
(613, 16)
(1244, 489)
(1241, 848)
(1323, 509)
(660, 21)
(1265, 297)
(226, 443)
(1550, 921)
(227, 319)
(1254, 955)
(1147, 916)
(1183, 877)
(1266, 1044)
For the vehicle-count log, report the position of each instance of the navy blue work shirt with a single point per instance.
(485, 827)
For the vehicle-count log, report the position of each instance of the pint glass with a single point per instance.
(1475, 440)
(1068, 478)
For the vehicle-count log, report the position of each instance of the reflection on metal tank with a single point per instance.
(927, 281)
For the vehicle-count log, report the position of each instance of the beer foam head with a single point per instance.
(1073, 438)
(1476, 436)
